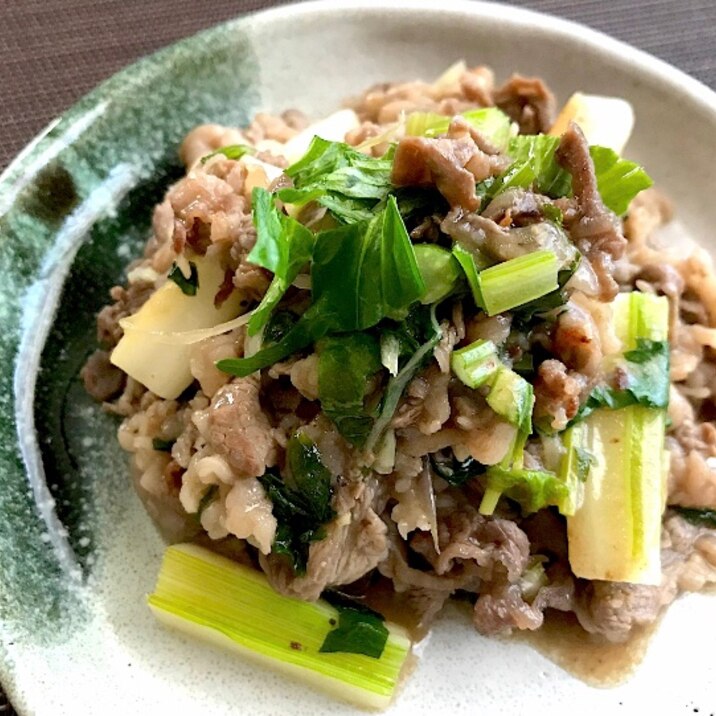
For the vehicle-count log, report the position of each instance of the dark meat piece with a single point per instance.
(557, 394)
(239, 429)
(528, 101)
(594, 229)
(452, 163)
(355, 543)
(103, 381)
(126, 302)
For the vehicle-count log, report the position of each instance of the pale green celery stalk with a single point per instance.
(475, 364)
(572, 470)
(615, 534)
(440, 272)
(218, 600)
(491, 122)
(518, 281)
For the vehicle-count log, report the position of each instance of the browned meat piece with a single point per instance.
(688, 558)
(503, 607)
(528, 101)
(576, 340)
(355, 543)
(103, 381)
(613, 609)
(126, 302)
(594, 229)
(452, 163)
(239, 429)
(516, 207)
(557, 394)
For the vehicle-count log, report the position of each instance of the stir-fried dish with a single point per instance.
(430, 345)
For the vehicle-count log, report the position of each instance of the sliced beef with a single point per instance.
(576, 340)
(239, 429)
(528, 101)
(126, 302)
(355, 543)
(102, 380)
(614, 609)
(557, 394)
(594, 229)
(452, 163)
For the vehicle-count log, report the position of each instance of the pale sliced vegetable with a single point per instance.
(475, 364)
(258, 173)
(605, 121)
(616, 533)
(451, 76)
(333, 128)
(146, 357)
(228, 604)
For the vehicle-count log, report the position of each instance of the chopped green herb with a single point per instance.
(344, 180)
(359, 631)
(704, 517)
(345, 363)
(162, 445)
(532, 489)
(283, 246)
(188, 285)
(454, 471)
(301, 501)
(232, 151)
(210, 494)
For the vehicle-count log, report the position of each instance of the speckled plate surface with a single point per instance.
(77, 552)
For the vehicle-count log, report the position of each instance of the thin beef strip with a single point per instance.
(594, 229)
(528, 101)
(355, 543)
(452, 163)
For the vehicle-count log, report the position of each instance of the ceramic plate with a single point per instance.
(78, 553)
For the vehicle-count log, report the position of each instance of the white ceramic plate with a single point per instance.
(91, 646)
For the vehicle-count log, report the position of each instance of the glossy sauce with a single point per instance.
(597, 662)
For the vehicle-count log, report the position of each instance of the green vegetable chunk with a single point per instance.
(439, 270)
(475, 364)
(228, 604)
(491, 122)
(345, 363)
(347, 182)
(518, 281)
(283, 246)
(615, 534)
(535, 166)
(361, 273)
(532, 489)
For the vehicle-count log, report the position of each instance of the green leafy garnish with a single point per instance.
(534, 165)
(491, 122)
(231, 151)
(188, 285)
(361, 273)
(344, 365)
(359, 631)
(280, 323)
(398, 383)
(704, 517)
(301, 501)
(454, 471)
(532, 489)
(283, 246)
(347, 182)
(646, 374)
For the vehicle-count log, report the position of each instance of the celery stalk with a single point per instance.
(475, 364)
(230, 605)
(615, 534)
(518, 281)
